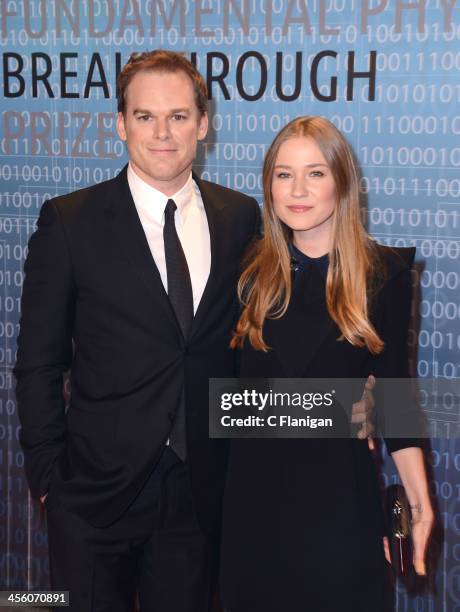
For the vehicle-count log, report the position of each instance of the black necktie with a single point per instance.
(179, 283)
(181, 297)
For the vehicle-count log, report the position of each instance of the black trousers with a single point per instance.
(155, 553)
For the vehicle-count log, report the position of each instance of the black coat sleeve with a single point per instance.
(399, 409)
(44, 347)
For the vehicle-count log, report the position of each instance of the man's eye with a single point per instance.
(179, 117)
(143, 117)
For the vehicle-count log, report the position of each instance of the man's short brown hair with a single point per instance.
(161, 60)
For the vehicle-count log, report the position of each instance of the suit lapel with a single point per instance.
(214, 213)
(130, 237)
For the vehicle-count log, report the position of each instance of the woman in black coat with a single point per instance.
(302, 523)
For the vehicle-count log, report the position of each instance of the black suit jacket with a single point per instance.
(93, 301)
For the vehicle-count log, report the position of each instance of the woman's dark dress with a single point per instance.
(302, 521)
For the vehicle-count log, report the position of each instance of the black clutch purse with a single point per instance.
(399, 515)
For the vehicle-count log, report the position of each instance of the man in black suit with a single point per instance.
(131, 285)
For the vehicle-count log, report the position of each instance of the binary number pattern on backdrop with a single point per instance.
(386, 77)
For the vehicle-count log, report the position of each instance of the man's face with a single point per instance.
(161, 127)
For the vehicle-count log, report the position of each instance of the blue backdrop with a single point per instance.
(385, 72)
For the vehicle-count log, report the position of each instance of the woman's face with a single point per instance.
(303, 193)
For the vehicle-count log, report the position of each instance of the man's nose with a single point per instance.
(161, 129)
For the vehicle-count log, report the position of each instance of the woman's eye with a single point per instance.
(317, 173)
(283, 175)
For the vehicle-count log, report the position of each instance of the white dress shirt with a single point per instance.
(191, 226)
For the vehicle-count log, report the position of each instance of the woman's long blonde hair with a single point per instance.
(264, 287)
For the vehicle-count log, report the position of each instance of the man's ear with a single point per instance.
(203, 126)
(121, 126)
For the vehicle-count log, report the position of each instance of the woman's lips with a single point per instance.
(299, 209)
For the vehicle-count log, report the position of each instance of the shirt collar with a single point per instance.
(153, 202)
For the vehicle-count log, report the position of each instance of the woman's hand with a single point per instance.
(421, 530)
(422, 525)
(411, 468)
